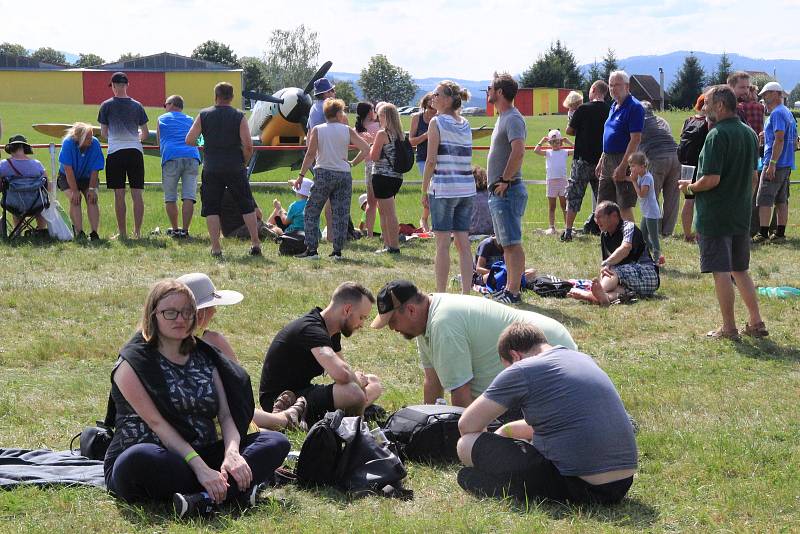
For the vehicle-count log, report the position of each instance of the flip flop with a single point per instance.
(284, 401)
(719, 333)
(758, 330)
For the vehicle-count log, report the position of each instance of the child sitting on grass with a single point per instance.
(556, 168)
(642, 181)
(293, 219)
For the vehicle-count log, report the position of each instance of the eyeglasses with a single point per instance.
(165, 105)
(170, 314)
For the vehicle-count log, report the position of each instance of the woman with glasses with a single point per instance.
(171, 390)
(418, 137)
(448, 185)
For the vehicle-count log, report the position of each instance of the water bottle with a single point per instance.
(441, 402)
(781, 292)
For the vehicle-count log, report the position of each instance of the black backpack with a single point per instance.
(403, 155)
(550, 286)
(340, 451)
(693, 136)
(292, 243)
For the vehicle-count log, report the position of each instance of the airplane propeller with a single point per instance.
(323, 70)
(252, 95)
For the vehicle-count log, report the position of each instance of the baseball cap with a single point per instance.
(118, 77)
(554, 134)
(205, 294)
(771, 86)
(392, 296)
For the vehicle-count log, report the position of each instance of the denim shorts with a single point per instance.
(185, 170)
(507, 212)
(450, 214)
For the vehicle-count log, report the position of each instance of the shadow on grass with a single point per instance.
(631, 512)
(766, 349)
(679, 274)
(556, 314)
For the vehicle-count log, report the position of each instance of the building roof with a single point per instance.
(9, 62)
(164, 61)
(755, 73)
(651, 89)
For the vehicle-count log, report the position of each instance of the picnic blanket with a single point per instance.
(43, 467)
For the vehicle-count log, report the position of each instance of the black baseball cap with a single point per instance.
(118, 77)
(392, 296)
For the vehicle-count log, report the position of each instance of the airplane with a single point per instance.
(275, 120)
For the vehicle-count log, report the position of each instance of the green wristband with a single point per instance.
(188, 458)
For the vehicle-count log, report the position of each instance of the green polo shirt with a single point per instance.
(731, 151)
(460, 340)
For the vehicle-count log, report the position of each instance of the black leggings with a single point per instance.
(150, 472)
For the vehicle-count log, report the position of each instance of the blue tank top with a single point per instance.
(422, 148)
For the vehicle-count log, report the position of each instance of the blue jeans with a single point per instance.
(451, 214)
(150, 472)
(507, 212)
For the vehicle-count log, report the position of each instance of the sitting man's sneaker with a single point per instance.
(249, 498)
(308, 255)
(506, 297)
(566, 235)
(192, 504)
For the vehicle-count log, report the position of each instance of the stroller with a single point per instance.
(25, 197)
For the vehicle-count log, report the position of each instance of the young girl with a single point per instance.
(571, 102)
(367, 127)
(642, 181)
(556, 165)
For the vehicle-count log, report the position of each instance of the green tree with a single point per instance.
(292, 58)
(592, 75)
(610, 64)
(215, 52)
(254, 74)
(688, 83)
(127, 56)
(380, 80)
(46, 54)
(345, 91)
(88, 60)
(794, 96)
(13, 49)
(722, 71)
(760, 80)
(556, 67)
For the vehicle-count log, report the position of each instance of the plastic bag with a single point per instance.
(57, 224)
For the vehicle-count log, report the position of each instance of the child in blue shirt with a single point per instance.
(292, 220)
(642, 181)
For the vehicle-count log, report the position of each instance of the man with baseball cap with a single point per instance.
(123, 122)
(456, 336)
(780, 135)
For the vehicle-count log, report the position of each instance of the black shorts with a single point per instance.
(213, 188)
(319, 401)
(126, 162)
(509, 467)
(724, 254)
(63, 185)
(385, 186)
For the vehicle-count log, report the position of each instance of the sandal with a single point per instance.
(758, 330)
(296, 415)
(719, 333)
(284, 401)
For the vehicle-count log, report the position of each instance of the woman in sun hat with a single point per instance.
(20, 165)
(208, 298)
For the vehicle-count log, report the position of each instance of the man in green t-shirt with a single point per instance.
(723, 196)
(456, 336)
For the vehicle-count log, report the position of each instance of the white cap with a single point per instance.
(305, 187)
(554, 134)
(771, 86)
(205, 294)
(362, 199)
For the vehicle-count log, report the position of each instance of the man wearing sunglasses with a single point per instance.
(179, 161)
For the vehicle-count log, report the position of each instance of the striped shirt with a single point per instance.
(452, 177)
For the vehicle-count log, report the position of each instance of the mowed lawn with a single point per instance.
(720, 427)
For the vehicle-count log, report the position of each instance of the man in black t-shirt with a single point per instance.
(627, 263)
(587, 126)
(310, 346)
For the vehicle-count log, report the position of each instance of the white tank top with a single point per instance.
(333, 139)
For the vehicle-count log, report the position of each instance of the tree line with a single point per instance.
(291, 59)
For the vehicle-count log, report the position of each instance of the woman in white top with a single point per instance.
(448, 185)
(328, 144)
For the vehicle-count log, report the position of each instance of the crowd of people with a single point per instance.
(176, 382)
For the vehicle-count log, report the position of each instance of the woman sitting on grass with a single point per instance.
(171, 390)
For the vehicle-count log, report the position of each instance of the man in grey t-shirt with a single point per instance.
(508, 195)
(576, 442)
(662, 155)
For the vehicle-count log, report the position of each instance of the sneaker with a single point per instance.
(758, 239)
(775, 238)
(156, 231)
(216, 254)
(81, 236)
(335, 255)
(191, 504)
(506, 297)
(566, 235)
(248, 499)
(387, 250)
(550, 231)
(308, 255)
(173, 232)
(93, 236)
(255, 251)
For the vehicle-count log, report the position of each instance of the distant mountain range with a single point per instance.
(787, 72)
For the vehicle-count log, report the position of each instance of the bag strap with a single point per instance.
(13, 167)
(111, 413)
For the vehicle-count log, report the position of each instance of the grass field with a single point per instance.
(720, 427)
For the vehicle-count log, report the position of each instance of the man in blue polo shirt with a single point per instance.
(780, 134)
(622, 134)
(179, 161)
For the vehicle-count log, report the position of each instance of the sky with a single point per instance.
(466, 39)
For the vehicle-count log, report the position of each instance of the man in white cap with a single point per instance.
(780, 134)
(456, 336)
